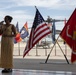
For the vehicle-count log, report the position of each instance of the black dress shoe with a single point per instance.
(10, 70)
(6, 70)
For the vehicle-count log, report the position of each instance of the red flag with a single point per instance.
(38, 31)
(18, 36)
(69, 34)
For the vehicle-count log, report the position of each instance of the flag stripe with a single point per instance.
(39, 33)
(39, 38)
(39, 29)
(40, 25)
(31, 39)
(43, 32)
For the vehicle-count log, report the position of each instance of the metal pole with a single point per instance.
(66, 49)
(63, 53)
(19, 48)
(50, 51)
(36, 51)
(55, 50)
(45, 48)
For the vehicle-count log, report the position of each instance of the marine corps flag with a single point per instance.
(69, 34)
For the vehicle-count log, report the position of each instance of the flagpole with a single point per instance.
(55, 50)
(35, 7)
(65, 48)
(63, 53)
(45, 48)
(50, 51)
(19, 48)
(61, 50)
(36, 51)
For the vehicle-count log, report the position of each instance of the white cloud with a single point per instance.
(41, 3)
(49, 4)
(18, 15)
(52, 4)
(12, 7)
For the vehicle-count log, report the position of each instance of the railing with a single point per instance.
(40, 51)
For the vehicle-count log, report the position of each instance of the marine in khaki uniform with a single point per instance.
(8, 31)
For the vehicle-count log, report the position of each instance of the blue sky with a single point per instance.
(24, 10)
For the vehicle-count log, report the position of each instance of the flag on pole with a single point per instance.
(64, 25)
(18, 36)
(17, 27)
(53, 32)
(38, 31)
(24, 31)
(69, 34)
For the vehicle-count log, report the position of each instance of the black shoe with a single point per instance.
(10, 70)
(6, 70)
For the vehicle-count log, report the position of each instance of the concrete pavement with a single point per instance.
(37, 57)
(35, 63)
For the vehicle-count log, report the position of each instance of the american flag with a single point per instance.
(38, 31)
